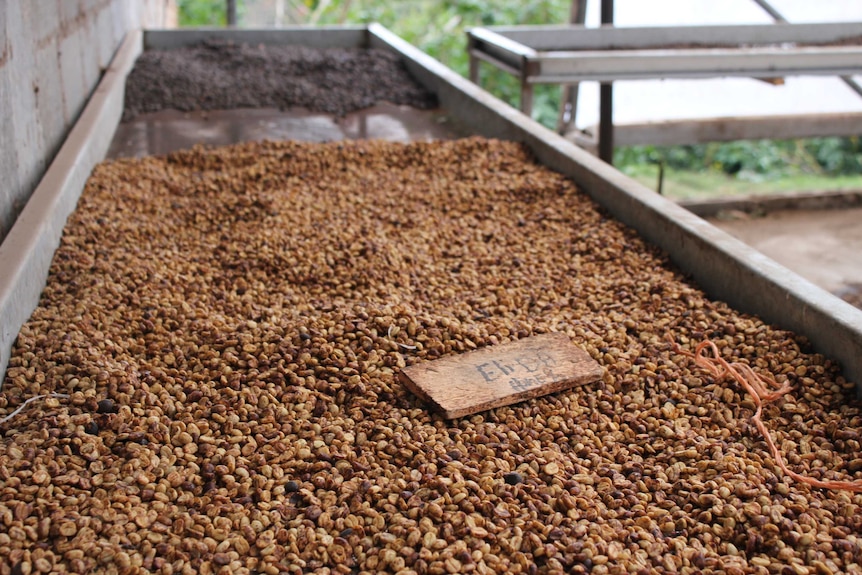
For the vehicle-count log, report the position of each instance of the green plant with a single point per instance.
(202, 12)
(837, 155)
(194, 13)
(439, 28)
(763, 158)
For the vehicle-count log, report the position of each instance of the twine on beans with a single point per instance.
(23, 405)
(763, 390)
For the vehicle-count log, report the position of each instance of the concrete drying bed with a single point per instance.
(291, 459)
(725, 267)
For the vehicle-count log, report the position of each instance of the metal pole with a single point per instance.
(775, 14)
(231, 13)
(607, 11)
(606, 100)
(279, 13)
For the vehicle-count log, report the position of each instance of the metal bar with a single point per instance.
(528, 69)
(507, 55)
(775, 14)
(231, 13)
(568, 108)
(484, 56)
(852, 84)
(566, 67)
(526, 97)
(565, 37)
(660, 185)
(606, 99)
(607, 16)
(279, 13)
(569, 98)
(606, 123)
(762, 56)
(474, 68)
(724, 129)
(778, 17)
(481, 37)
(473, 59)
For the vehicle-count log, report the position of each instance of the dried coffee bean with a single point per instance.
(268, 451)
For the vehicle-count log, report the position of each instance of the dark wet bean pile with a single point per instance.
(221, 75)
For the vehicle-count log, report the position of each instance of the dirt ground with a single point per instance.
(823, 246)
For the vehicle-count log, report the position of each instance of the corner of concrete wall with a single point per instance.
(52, 55)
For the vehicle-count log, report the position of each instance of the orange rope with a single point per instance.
(762, 389)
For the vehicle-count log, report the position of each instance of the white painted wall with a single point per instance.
(52, 54)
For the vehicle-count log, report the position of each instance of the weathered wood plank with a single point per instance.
(501, 375)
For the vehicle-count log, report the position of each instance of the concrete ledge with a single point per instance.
(27, 251)
(823, 200)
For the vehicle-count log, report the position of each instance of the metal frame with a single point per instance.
(564, 54)
(725, 129)
(548, 38)
(725, 267)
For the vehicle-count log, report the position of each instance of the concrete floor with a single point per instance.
(823, 246)
(170, 130)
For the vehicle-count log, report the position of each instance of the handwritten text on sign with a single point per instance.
(471, 382)
(522, 372)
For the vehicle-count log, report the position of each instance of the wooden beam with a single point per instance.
(564, 37)
(651, 64)
(729, 128)
(460, 385)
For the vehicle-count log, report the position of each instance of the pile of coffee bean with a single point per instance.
(219, 75)
(228, 325)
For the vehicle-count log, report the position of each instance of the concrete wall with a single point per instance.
(52, 54)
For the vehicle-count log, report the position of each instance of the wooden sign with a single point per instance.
(501, 375)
